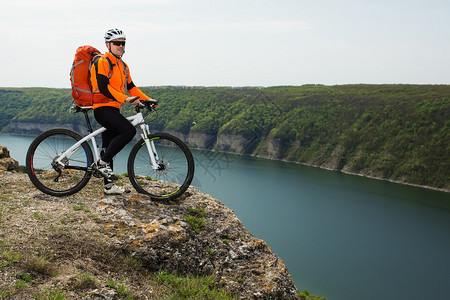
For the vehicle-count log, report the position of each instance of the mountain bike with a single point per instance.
(60, 162)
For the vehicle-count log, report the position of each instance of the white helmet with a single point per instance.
(114, 34)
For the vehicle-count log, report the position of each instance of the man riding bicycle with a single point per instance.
(110, 77)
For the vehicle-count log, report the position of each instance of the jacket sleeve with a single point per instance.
(136, 92)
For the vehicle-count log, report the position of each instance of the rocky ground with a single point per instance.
(88, 246)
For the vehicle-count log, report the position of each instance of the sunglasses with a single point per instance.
(118, 43)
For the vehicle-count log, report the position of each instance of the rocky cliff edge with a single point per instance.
(109, 238)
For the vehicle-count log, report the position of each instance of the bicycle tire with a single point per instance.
(45, 149)
(176, 170)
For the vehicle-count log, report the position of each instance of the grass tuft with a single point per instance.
(192, 287)
(41, 265)
(85, 281)
(50, 294)
(195, 219)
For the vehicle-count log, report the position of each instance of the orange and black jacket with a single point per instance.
(110, 86)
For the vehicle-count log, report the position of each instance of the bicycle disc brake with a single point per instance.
(163, 167)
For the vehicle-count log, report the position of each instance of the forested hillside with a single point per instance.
(398, 132)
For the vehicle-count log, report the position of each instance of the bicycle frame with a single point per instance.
(137, 119)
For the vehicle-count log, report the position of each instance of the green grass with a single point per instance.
(195, 219)
(85, 281)
(196, 212)
(81, 207)
(111, 283)
(195, 223)
(20, 284)
(5, 293)
(24, 277)
(50, 294)
(191, 287)
(120, 288)
(305, 295)
(10, 257)
(38, 216)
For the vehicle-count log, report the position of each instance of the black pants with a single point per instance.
(119, 131)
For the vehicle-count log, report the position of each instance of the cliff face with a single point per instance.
(91, 234)
(237, 143)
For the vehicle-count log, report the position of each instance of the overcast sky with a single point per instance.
(232, 42)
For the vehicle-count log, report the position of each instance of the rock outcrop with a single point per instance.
(6, 162)
(198, 235)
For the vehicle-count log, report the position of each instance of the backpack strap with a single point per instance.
(126, 77)
(111, 66)
(95, 59)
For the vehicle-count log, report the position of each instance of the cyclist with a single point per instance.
(112, 80)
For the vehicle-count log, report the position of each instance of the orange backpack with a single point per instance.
(80, 75)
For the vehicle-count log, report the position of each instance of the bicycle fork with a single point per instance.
(154, 159)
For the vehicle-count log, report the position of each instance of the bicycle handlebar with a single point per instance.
(149, 104)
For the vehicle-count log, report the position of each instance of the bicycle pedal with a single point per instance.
(97, 174)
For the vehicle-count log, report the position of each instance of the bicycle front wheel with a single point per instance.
(173, 174)
(50, 177)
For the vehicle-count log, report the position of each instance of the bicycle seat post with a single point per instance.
(88, 122)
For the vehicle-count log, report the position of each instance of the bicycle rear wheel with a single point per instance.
(51, 178)
(175, 167)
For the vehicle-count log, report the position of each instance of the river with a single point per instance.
(341, 236)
